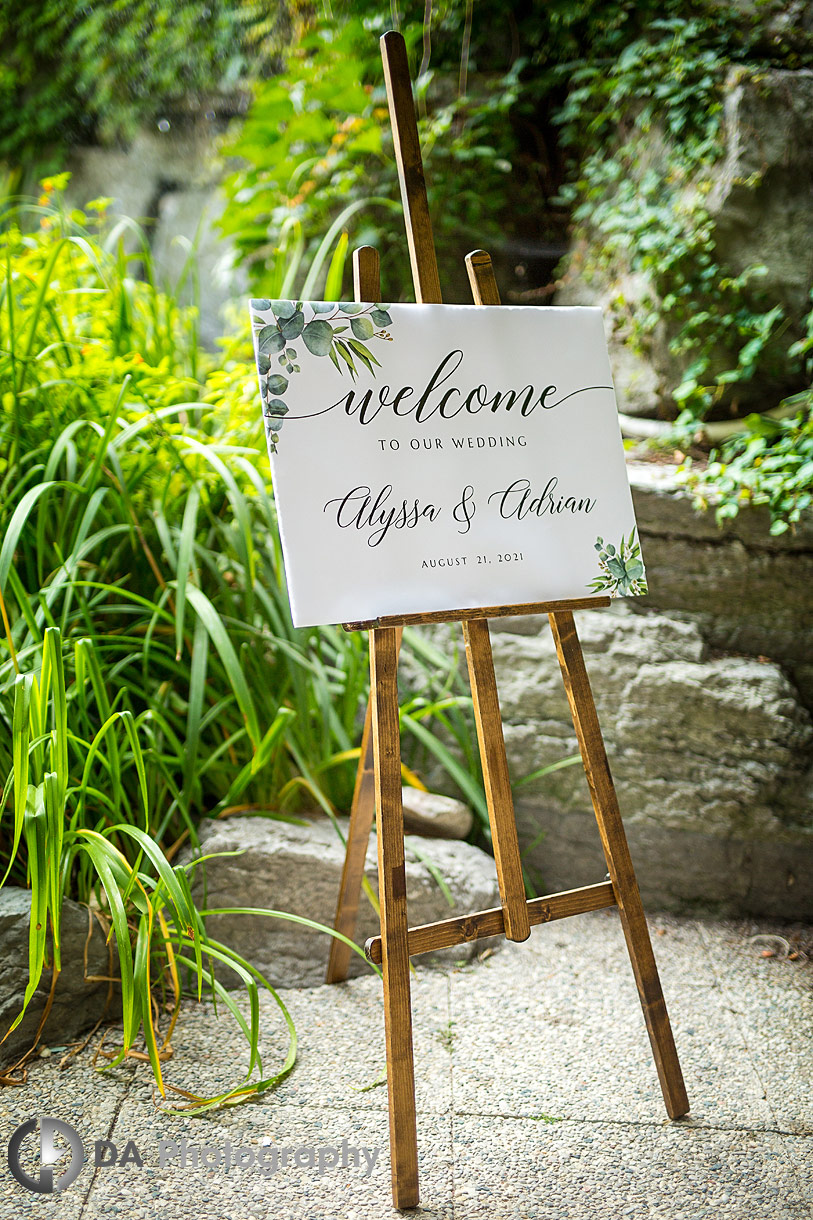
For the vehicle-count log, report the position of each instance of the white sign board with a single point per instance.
(439, 457)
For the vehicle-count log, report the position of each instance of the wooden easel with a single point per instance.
(378, 781)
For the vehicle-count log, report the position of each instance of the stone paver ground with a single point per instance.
(537, 1096)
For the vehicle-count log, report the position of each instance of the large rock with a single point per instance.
(757, 196)
(435, 816)
(168, 179)
(712, 759)
(297, 869)
(746, 591)
(78, 1004)
(761, 197)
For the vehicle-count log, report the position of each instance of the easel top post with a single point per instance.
(410, 169)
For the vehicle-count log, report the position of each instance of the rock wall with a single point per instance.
(758, 197)
(704, 691)
(167, 179)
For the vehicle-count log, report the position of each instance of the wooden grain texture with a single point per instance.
(605, 802)
(392, 897)
(476, 612)
(362, 812)
(366, 287)
(495, 778)
(449, 932)
(484, 288)
(410, 169)
(619, 863)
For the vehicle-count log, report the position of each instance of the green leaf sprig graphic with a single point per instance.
(340, 331)
(621, 569)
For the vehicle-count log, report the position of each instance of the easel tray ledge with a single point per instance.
(478, 612)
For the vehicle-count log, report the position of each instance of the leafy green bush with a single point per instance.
(770, 464)
(150, 675)
(75, 72)
(316, 146)
(644, 126)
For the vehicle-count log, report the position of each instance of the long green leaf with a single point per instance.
(219, 637)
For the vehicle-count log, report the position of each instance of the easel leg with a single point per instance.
(362, 812)
(358, 837)
(495, 776)
(394, 927)
(616, 851)
(366, 287)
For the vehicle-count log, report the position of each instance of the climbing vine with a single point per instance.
(645, 132)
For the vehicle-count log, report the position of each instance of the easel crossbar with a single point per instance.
(448, 932)
(429, 617)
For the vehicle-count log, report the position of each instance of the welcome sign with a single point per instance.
(438, 457)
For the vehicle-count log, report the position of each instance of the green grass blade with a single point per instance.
(185, 553)
(219, 637)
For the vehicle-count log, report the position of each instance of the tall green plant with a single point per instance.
(83, 838)
(150, 675)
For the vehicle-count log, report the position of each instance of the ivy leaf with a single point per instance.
(270, 341)
(318, 337)
(362, 328)
(277, 384)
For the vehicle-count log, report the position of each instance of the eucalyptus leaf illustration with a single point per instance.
(283, 309)
(360, 350)
(621, 569)
(276, 408)
(319, 324)
(362, 328)
(270, 341)
(344, 352)
(293, 326)
(318, 337)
